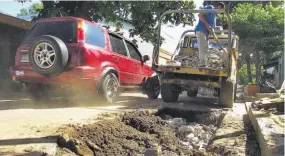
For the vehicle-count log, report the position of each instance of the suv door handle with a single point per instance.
(135, 64)
(115, 58)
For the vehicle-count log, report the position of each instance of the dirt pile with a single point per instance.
(132, 134)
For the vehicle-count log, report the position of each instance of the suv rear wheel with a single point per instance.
(110, 88)
(48, 56)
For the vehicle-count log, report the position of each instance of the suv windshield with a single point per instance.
(65, 30)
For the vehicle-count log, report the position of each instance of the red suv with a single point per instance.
(71, 51)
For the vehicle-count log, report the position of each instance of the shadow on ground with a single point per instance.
(129, 100)
(252, 146)
(49, 139)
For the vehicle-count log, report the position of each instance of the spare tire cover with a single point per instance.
(48, 55)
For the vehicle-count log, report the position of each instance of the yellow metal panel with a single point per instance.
(191, 82)
(196, 71)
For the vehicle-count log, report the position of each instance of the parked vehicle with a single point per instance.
(176, 78)
(82, 54)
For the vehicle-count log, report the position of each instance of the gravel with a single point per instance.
(214, 58)
(195, 129)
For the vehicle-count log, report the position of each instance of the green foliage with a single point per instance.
(261, 27)
(234, 4)
(143, 15)
(23, 12)
(243, 74)
(261, 31)
(33, 9)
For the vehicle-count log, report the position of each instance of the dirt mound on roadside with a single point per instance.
(130, 135)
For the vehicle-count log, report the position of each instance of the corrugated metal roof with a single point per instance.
(14, 21)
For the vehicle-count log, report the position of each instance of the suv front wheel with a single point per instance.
(152, 87)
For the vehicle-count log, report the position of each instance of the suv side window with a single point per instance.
(118, 45)
(133, 51)
(95, 35)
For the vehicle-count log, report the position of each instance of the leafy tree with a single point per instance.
(234, 4)
(35, 8)
(23, 12)
(143, 15)
(260, 28)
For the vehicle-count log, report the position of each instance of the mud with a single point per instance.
(166, 132)
(131, 134)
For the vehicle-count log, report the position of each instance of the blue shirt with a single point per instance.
(210, 18)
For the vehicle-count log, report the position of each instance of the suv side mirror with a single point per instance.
(145, 58)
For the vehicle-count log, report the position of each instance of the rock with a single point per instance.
(204, 136)
(198, 128)
(190, 137)
(189, 146)
(185, 143)
(185, 129)
(179, 121)
(196, 133)
(206, 128)
(172, 126)
(195, 140)
(93, 146)
(190, 129)
(168, 117)
(80, 148)
(211, 126)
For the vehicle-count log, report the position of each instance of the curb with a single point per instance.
(271, 142)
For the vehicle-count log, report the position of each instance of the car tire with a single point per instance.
(36, 91)
(169, 93)
(48, 56)
(226, 96)
(110, 88)
(152, 88)
(192, 93)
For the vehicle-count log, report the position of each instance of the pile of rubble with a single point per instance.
(215, 59)
(194, 135)
(189, 60)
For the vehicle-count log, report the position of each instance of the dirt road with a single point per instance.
(28, 127)
(21, 114)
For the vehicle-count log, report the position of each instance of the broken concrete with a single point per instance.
(259, 96)
(270, 131)
(234, 136)
(215, 58)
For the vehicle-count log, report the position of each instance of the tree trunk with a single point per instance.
(257, 66)
(249, 75)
